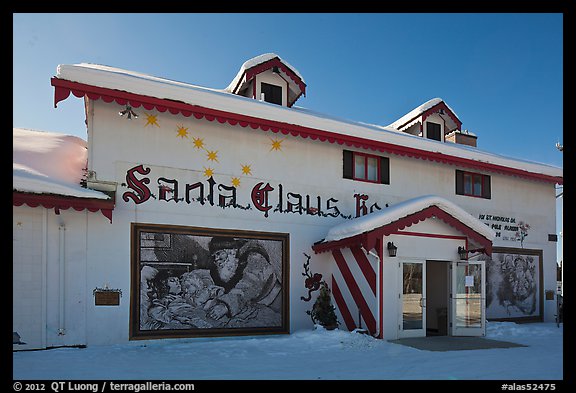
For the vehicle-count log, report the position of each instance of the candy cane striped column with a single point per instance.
(354, 288)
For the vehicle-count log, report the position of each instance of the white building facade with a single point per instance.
(195, 172)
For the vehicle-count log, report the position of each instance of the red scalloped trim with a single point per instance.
(64, 87)
(369, 240)
(58, 203)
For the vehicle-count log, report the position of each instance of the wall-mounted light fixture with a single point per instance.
(463, 253)
(276, 70)
(128, 111)
(392, 249)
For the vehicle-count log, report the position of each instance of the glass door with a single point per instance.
(413, 299)
(468, 298)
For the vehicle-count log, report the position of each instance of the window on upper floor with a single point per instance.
(272, 93)
(366, 167)
(473, 184)
(433, 131)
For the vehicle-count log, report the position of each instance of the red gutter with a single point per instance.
(63, 88)
(59, 202)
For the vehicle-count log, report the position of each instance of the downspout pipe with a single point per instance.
(62, 278)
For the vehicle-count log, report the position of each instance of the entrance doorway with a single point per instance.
(442, 298)
(437, 297)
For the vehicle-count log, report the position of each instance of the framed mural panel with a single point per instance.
(514, 285)
(190, 282)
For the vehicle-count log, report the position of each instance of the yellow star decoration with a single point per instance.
(198, 143)
(246, 170)
(208, 172)
(276, 144)
(182, 132)
(212, 155)
(235, 182)
(152, 120)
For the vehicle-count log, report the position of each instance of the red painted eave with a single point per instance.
(63, 88)
(60, 202)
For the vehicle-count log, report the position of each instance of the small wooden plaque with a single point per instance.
(107, 298)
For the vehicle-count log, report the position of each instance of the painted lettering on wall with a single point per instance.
(142, 192)
(506, 228)
(361, 208)
(264, 197)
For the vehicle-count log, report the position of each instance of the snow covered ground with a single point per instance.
(304, 355)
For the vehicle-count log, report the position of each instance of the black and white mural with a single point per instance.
(514, 284)
(196, 281)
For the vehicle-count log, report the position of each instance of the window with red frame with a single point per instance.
(473, 184)
(366, 167)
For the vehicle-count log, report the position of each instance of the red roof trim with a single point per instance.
(58, 202)
(369, 239)
(63, 88)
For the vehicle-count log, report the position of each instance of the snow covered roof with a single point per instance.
(47, 170)
(122, 86)
(393, 213)
(50, 163)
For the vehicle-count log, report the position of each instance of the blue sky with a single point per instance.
(501, 73)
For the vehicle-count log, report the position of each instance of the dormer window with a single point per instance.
(268, 78)
(434, 120)
(271, 93)
(433, 131)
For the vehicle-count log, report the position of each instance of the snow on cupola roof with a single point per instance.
(419, 114)
(245, 77)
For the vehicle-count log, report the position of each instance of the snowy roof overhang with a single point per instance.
(369, 229)
(139, 90)
(47, 171)
(268, 61)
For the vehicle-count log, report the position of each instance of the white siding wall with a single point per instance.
(50, 293)
(301, 166)
(28, 280)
